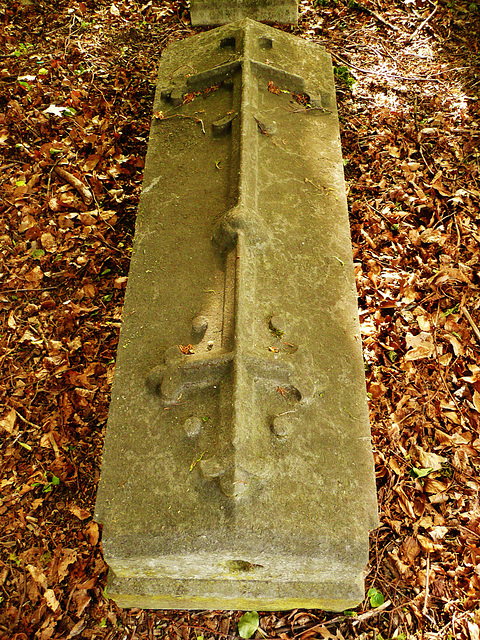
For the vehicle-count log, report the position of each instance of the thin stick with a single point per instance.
(417, 31)
(357, 620)
(380, 18)
(431, 78)
(181, 115)
(427, 586)
(372, 612)
(471, 322)
(76, 184)
(37, 290)
(30, 424)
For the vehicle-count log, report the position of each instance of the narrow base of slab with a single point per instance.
(240, 595)
(216, 12)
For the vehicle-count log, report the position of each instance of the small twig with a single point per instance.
(442, 378)
(10, 203)
(160, 116)
(322, 189)
(307, 109)
(70, 596)
(372, 612)
(378, 212)
(50, 178)
(54, 444)
(459, 234)
(469, 530)
(431, 78)
(431, 171)
(417, 31)
(30, 424)
(32, 289)
(261, 126)
(380, 18)
(76, 184)
(471, 322)
(427, 586)
(325, 623)
(181, 67)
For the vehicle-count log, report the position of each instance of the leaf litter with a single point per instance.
(76, 88)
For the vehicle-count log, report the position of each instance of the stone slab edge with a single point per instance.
(195, 594)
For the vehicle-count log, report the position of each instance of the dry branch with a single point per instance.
(76, 184)
(471, 322)
(417, 31)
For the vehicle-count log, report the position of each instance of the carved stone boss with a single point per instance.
(239, 407)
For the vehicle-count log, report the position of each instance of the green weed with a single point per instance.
(343, 74)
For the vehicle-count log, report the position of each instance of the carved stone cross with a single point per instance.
(237, 470)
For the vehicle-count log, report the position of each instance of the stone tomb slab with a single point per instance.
(237, 470)
(210, 12)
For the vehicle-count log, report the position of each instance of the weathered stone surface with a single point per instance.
(208, 12)
(237, 469)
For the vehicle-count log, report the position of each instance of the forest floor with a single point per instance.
(76, 92)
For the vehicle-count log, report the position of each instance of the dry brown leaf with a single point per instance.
(461, 460)
(438, 185)
(475, 377)
(81, 600)
(439, 498)
(424, 323)
(45, 441)
(77, 629)
(35, 276)
(405, 503)
(458, 349)
(377, 389)
(93, 532)
(473, 630)
(48, 242)
(438, 533)
(421, 346)
(38, 575)
(393, 151)
(403, 569)
(426, 544)
(79, 512)
(398, 469)
(410, 549)
(325, 633)
(51, 599)
(69, 556)
(445, 359)
(91, 162)
(430, 236)
(8, 422)
(449, 274)
(428, 459)
(434, 485)
(11, 322)
(47, 629)
(89, 290)
(121, 282)
(476, 400)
